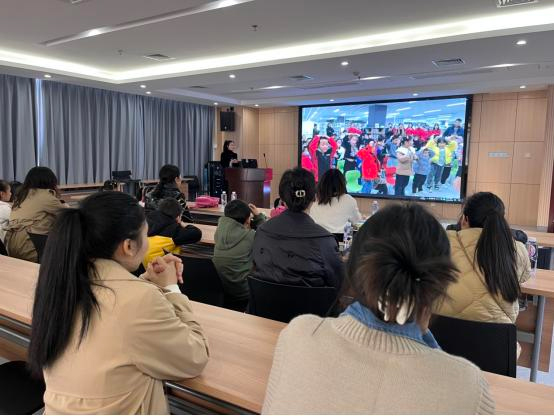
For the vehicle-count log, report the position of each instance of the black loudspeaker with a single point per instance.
(227, 120)
(215, 178)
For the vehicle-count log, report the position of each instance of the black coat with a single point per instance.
(165, 226)
(292, 249)
(154, 197)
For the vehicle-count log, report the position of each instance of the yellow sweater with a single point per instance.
(344, 367)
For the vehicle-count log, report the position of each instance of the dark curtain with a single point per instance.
(17, 127)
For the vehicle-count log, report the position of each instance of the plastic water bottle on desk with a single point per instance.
(533, 250)
(374, 207)
(233, 196)
(224, 198)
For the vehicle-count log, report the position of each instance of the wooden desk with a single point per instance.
(241, 348)
(218, 211)
(208, 233)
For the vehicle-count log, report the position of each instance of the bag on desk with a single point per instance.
(206, 202)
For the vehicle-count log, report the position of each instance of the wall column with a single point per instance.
(548, 163)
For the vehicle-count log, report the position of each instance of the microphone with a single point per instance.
(265, 159)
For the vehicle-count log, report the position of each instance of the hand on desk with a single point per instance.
(165, 271)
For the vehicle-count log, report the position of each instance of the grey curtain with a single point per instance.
(177, 133)
(17, 127)
(90, 132)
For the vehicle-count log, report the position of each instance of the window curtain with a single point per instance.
(90, 132)
(17, 127)
(177, 133)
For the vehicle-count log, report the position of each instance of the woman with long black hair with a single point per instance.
(229, 158)
(491, 264)
(104, 339)
(34, 210)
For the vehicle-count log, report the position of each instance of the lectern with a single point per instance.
(251, 185)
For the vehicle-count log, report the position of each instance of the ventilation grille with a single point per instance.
(158, 57)
(198, 87)
(428, 75)
(508, 3)
(301, 77)
(448, 62)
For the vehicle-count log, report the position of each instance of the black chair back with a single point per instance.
(39, 241)
(3, 251)
(201, 283)
(20, 394)
(285, 302)
(490, 346)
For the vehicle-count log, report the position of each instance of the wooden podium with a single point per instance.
(251, 185)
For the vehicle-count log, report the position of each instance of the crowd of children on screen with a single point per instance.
(403, 160)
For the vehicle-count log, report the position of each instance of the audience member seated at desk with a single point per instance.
(333, 206)
(232, 258)
(104, 339)
(166, 231)
(491, 264)
(379, 356)
(34, 210)
(5, 207)
(291, 248)
(169, 186)
(229, 159)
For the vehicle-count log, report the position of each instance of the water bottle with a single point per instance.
(533, 250)
(233, 196)
(347, 236)
(224, 198)
(374, 207)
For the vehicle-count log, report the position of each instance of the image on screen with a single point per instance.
(403, 149)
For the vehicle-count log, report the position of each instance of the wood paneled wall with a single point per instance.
(510, 124)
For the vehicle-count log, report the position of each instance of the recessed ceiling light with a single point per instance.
(523, 87)
(344, 63)
(256, 105)
(521, 42)
(143, 86)
(47, 76)
(216, 103)
(232, 76)
(331, 100)
(148, 92)
(415, 94)
(273, 87)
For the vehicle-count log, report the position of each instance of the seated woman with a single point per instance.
(491, 264)
(333, 206)
(34, 210)
(379, 356)
(169, 187)
(5, 207)
(104, 339)
(291, 248)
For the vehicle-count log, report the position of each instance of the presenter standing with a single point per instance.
(229, 159)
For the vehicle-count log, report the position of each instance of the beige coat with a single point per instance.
(35, 215)
(140, 337)
(469, 297)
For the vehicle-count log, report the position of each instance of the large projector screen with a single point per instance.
(409, 149)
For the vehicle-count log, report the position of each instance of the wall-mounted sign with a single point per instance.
(499, 154)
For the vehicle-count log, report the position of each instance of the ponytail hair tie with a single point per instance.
(301, 193)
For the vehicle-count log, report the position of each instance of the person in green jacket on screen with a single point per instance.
(234, 238)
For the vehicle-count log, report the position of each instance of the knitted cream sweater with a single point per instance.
(342, 366)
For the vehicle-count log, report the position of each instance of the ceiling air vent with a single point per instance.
(158, 57)
(448, 62)
(74, 1)
(508, 3)
(328, 85)
(198, 87)
(301, 77)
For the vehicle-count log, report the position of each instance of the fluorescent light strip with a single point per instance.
(478, 27)
(372, 78)
(212, 5)
(273, 87)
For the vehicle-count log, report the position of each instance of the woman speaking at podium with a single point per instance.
(229, 159)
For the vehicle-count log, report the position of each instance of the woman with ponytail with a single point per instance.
(291, 248)
(491, 264)
(104, 339)
(379, 356)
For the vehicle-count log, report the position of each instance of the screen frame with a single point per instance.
(467, 130)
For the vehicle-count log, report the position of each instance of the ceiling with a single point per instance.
(394, 40)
